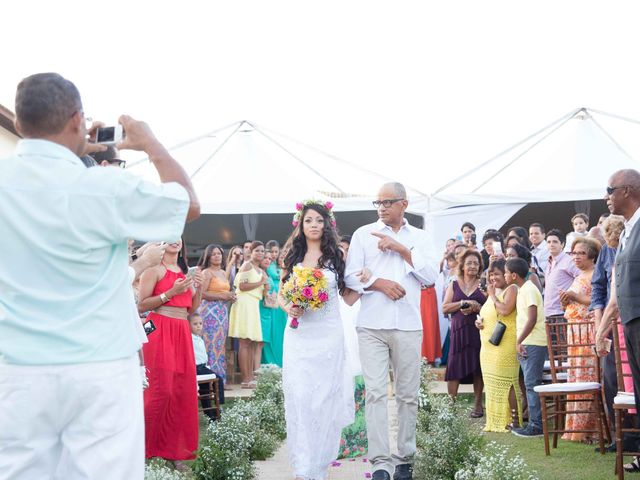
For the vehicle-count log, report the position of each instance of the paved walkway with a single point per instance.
(277, 467)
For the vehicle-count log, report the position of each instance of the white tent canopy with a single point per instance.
(246, 169)
(569, 160)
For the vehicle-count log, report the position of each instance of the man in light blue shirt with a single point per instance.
(67, 343)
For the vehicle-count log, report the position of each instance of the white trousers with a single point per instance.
(401, 348)
(72, 422)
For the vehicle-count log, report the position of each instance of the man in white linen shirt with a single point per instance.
(389, 324)
(70, 390)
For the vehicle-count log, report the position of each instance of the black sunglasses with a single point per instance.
(116, 161)
(610, 190)
(386, 203)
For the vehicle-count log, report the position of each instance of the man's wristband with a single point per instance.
(164, 298)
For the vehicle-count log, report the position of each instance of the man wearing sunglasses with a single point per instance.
(389, 324)
(70, 385)
(623, 198)
(108, 158)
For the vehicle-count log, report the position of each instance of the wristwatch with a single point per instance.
(164, 298)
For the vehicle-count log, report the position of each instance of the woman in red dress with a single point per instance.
(170, 402)
(431, 344)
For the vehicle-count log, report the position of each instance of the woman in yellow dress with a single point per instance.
(499, 363)
(244, 320)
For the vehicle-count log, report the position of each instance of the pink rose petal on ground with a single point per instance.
(335, 464)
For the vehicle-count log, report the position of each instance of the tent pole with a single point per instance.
(469, 172)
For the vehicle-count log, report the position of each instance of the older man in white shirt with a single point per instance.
(70, 390)
(389, 324)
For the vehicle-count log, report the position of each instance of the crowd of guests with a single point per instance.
(499, 295)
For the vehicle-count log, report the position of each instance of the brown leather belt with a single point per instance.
(173, 312)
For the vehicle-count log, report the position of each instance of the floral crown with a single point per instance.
(305, 203)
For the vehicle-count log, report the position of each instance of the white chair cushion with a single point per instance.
(562, 376)
(566, 387)
(202, 378)
(625, 398)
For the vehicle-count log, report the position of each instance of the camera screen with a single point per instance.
(106, 134)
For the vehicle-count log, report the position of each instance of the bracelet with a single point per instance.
(164, 298)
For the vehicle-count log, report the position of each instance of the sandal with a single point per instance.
(477, 413)
(180, 466)
(515, 421)
(633, 466)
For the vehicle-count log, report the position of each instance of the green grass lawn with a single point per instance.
(570, 461)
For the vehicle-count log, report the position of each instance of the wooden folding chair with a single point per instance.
(556, 339)
(623, 402)
(212, 395)
(570, 344)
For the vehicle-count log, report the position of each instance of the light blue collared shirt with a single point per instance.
(64, 291)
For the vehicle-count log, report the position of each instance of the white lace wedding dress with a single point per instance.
(318, 387)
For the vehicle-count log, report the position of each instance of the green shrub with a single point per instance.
(446, 441)
(225, 448)
(157, 469)
(249, 430)
(495, 464)
(450, 447)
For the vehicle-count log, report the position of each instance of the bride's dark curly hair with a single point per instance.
(331, 258)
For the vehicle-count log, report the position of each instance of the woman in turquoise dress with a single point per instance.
(272, 350)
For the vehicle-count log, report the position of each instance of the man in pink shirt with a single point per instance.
(559, 276)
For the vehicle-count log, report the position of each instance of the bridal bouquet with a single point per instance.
(307, 289)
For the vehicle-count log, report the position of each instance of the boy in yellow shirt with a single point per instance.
(531, 343)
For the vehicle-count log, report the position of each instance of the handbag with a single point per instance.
(498, 333)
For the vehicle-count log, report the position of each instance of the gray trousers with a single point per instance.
(401, 349)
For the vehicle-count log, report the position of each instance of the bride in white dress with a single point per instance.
(317, 383)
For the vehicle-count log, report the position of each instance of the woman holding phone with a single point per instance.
(235, 259)
(463, 300)
(169, 292)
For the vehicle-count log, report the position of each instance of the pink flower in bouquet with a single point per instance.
(307, 292)
(294, 323)
(298, 206)
(323, 296)
(328, 205)
(318, 273)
